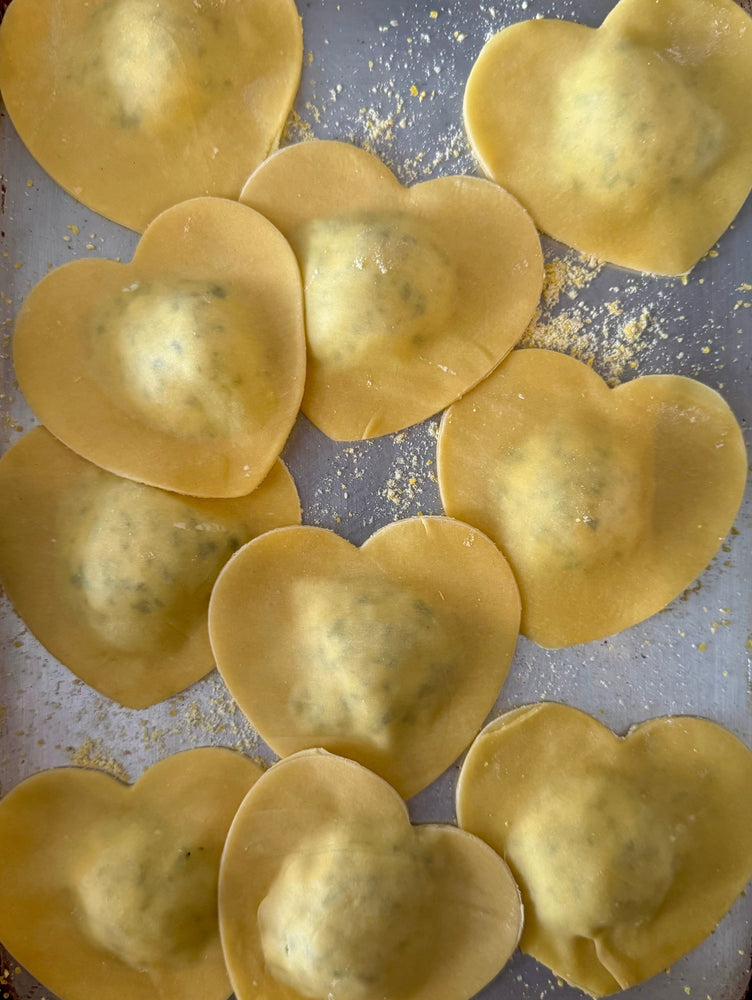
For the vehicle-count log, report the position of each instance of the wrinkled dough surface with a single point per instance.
(404, 312)
(628, 851)
(133, 106)
(607, 502)
(391, 654)
(114, 577)
(336, 896)
(607, 859)
(630, 142)
(378, 658)
(341, 911)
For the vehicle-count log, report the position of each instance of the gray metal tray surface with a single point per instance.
(389, 75)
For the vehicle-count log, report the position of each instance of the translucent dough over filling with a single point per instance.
(632, 141)
(613, 135)
(136, 105)
(341, 910)
(110, 890)
(146, 900)
(607, 502)
(391, 654)
(327, 892)
(185, 357)
(412, 294)
(373, 278)
(628, 851)
(377, 655)
(141, 561)
(144, 72)
(609, 857)
(571, 486)
(113, 576)
(183, 369)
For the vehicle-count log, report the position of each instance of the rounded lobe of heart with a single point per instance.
(628, 851)
(104, 883)
(392, 654)
(183, 369)
(607, 502)
(412, 294)
(133, 108)
(630, 142)
(335, 894)
(114, 577)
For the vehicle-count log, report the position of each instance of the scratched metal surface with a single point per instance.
(391, 74)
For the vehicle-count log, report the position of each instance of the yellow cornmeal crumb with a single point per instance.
(568, 275)
(219, 715)
(296, 130)
(73, 228)
(434, 14)
(587, 332)
(90, 754)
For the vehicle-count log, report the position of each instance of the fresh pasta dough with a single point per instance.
(134, 106)
(392, 654)
(607, 502)
(335, 896)
(114, 577)
(183, 369)
(632, 141)
(411, 294)
(107, 887)
(628, 850)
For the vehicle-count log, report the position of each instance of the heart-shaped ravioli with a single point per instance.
(411, 294)
(628, 851)
(392, 654)
(109, 889)
(114, 577)
(632, 141)
(133, 106)
(183, 369)
(607, 502)
(326, 891)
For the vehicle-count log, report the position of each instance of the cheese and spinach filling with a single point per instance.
(185, 355)
(377, 658)
(139, 562)
(373, 280)
(342, 919)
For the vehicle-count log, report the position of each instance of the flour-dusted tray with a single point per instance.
(390, 76)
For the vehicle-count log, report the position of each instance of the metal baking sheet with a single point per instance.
(390, 75)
